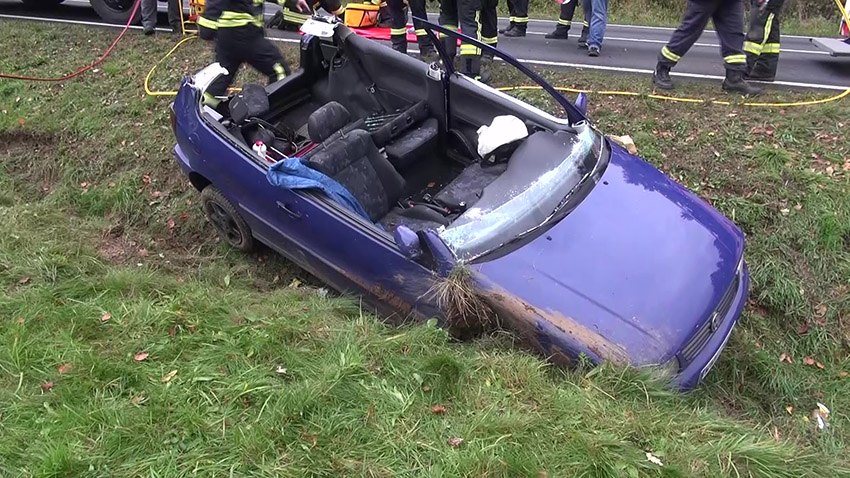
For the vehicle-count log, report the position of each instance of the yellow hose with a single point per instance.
(153, 68)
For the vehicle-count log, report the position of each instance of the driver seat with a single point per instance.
(352, 159)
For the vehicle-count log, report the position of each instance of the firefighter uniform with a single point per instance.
(728, 17)
(565, 21)
(292, 16)
(398, 26)
(762, 41)
(237, 27)
(518, 10)
(465, 14)
(489, 23)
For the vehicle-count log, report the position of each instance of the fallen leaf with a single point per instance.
(438, 409)
(143, 252)
(426, 388)
(167, 377)
(66, 367)
(819, 365)
(47, 385)
(803, 329)
(84, 184)
(227, 280)
(141, 356)
(106, 317)
(280, 370)
(809, 360)
(653, 459)
(776, 435)
(455, 442)
(789, 409)
(20, 320)
(111, 184)
(844, 374)
(138, 399)
(785, 358)
(21, 121)
(146, 179)
(171, 332)
(821, 310)
(170, 223)
(156, 194)
(23, 280)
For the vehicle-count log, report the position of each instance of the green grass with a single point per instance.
(97, 220)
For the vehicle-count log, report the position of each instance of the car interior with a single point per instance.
(397, 133)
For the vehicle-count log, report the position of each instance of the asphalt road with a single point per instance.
(627, 48)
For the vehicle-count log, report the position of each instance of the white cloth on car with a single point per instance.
(503, 130)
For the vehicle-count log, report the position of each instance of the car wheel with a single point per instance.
(42, 3)
(116, 11)
(226, 220)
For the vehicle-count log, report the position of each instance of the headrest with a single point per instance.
(326, 121)
(251, 102)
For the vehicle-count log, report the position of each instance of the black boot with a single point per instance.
(470, 65)
(399, 44)
(561, 32)
(518, 30)
(760, 74)
(511, 26)
(661, 77)
(735, 83)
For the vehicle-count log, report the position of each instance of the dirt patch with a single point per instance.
(30, 156)
(115, 247)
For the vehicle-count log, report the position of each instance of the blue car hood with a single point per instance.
(641, 262)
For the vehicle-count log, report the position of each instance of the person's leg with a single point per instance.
(598, 23)
(148, 16)
(587, 8)
(755, 34)
(697, 14)
(519, 18)
(489, 24)
(763, 66)
(729, 24)
(174, 7)
(417, 9)
(512, 14)
(470, 55)
(398, 25)
(228, 54)
(449, 20)
(264, 56)
(565, 20)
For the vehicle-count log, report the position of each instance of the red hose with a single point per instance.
(90, 66)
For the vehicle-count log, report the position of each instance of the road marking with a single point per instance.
(712, 45)
(524, 60)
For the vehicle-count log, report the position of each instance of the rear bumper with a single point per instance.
(696, 371)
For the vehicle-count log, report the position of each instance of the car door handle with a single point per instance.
(292, 213)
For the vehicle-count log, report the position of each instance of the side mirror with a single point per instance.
(581, 103)
(408, 242)
(444, 260)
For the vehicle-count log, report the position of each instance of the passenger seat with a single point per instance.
(352, 159)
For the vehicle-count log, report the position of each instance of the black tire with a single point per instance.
(42, 3)
(116, 11)
(226, 220)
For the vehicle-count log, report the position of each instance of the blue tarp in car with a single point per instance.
(291, 173)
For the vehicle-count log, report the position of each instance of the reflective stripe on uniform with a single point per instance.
(770, 48)
(565, 22)
(211, 100)
(293, 17)
(519, 19)
(752, 47)
(586, 24)
(670, 55)
(207, 23)
(281, 72)
(734, 59)
(230, 19)
(447, 27)
(466, 49)
(490, 40)
(398, 31)
(420, 32)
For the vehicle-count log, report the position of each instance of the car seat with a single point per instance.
(353, 160)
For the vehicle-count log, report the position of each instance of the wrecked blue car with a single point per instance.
(363, 168)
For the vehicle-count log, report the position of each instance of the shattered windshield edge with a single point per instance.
(468, 241)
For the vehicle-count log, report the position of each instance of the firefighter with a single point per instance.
(237, 28)
(728, 17)
(565, 21)
(762, 42)
(293, 15)
(463, 14)
(518, 10)
(489, 25)
(398, 26)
